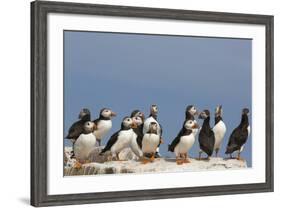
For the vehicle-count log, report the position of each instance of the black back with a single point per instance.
(111, 142)
(238, 136)
(77, 128)
(207, 137)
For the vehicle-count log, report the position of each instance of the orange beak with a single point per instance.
(134, 125)
(113, 114)
(195, 126)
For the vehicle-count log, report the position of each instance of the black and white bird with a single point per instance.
(239, 135)
(103, 123)
(78, 127)
(219, 129)
(183, 142)
(85, 143)
(120, 139)
(150, 142)
(206, 135)
(136, 143)
(153, 118)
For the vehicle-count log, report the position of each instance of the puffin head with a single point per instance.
(204, 114)
(89, 127)
(218, 111)
(85, 112)
(153, 110)
(153, 127)
(137, 120)
(191, 109)
(137, 113)
(245, 111)
(107, 113)
(128, 123)
(191, 124)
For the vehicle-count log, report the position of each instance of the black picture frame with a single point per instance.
(39, 98)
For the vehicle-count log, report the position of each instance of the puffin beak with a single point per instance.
(113, 114)
(195, 126)
(134, 125)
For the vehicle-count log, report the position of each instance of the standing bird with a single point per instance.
(190, 113)
(239, 135)
(153, 118)
(150, 142)
(78, 127)
(103, 123)
(219, 129)
(206, 135)
(121, 139)
(85, 143)
(183, 142)
(136, 143)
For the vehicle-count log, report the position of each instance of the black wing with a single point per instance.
(237, 138)
(110, 142)
(174, 143)
(75, 130)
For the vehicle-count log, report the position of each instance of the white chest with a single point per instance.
(219, 131)
(185, 144)
(150, 143)
(103, 128)
(84, 145)
(124, 140)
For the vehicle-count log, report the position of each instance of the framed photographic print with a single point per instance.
(131, 103)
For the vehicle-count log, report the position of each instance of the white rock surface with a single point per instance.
(159, 165)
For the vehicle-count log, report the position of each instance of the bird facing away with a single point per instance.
(219, 129)
(206, 135)
(239, 135)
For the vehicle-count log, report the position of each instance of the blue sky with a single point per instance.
(132, 71)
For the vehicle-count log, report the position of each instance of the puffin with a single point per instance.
(103, 123)
(78, 127)
(206, 135)
(219, 129)
(85, 144)
(239, 135)
(120, 139)
(136, 143)
(190, 113)
(153, 118)
(150, 142)
(184, 141)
